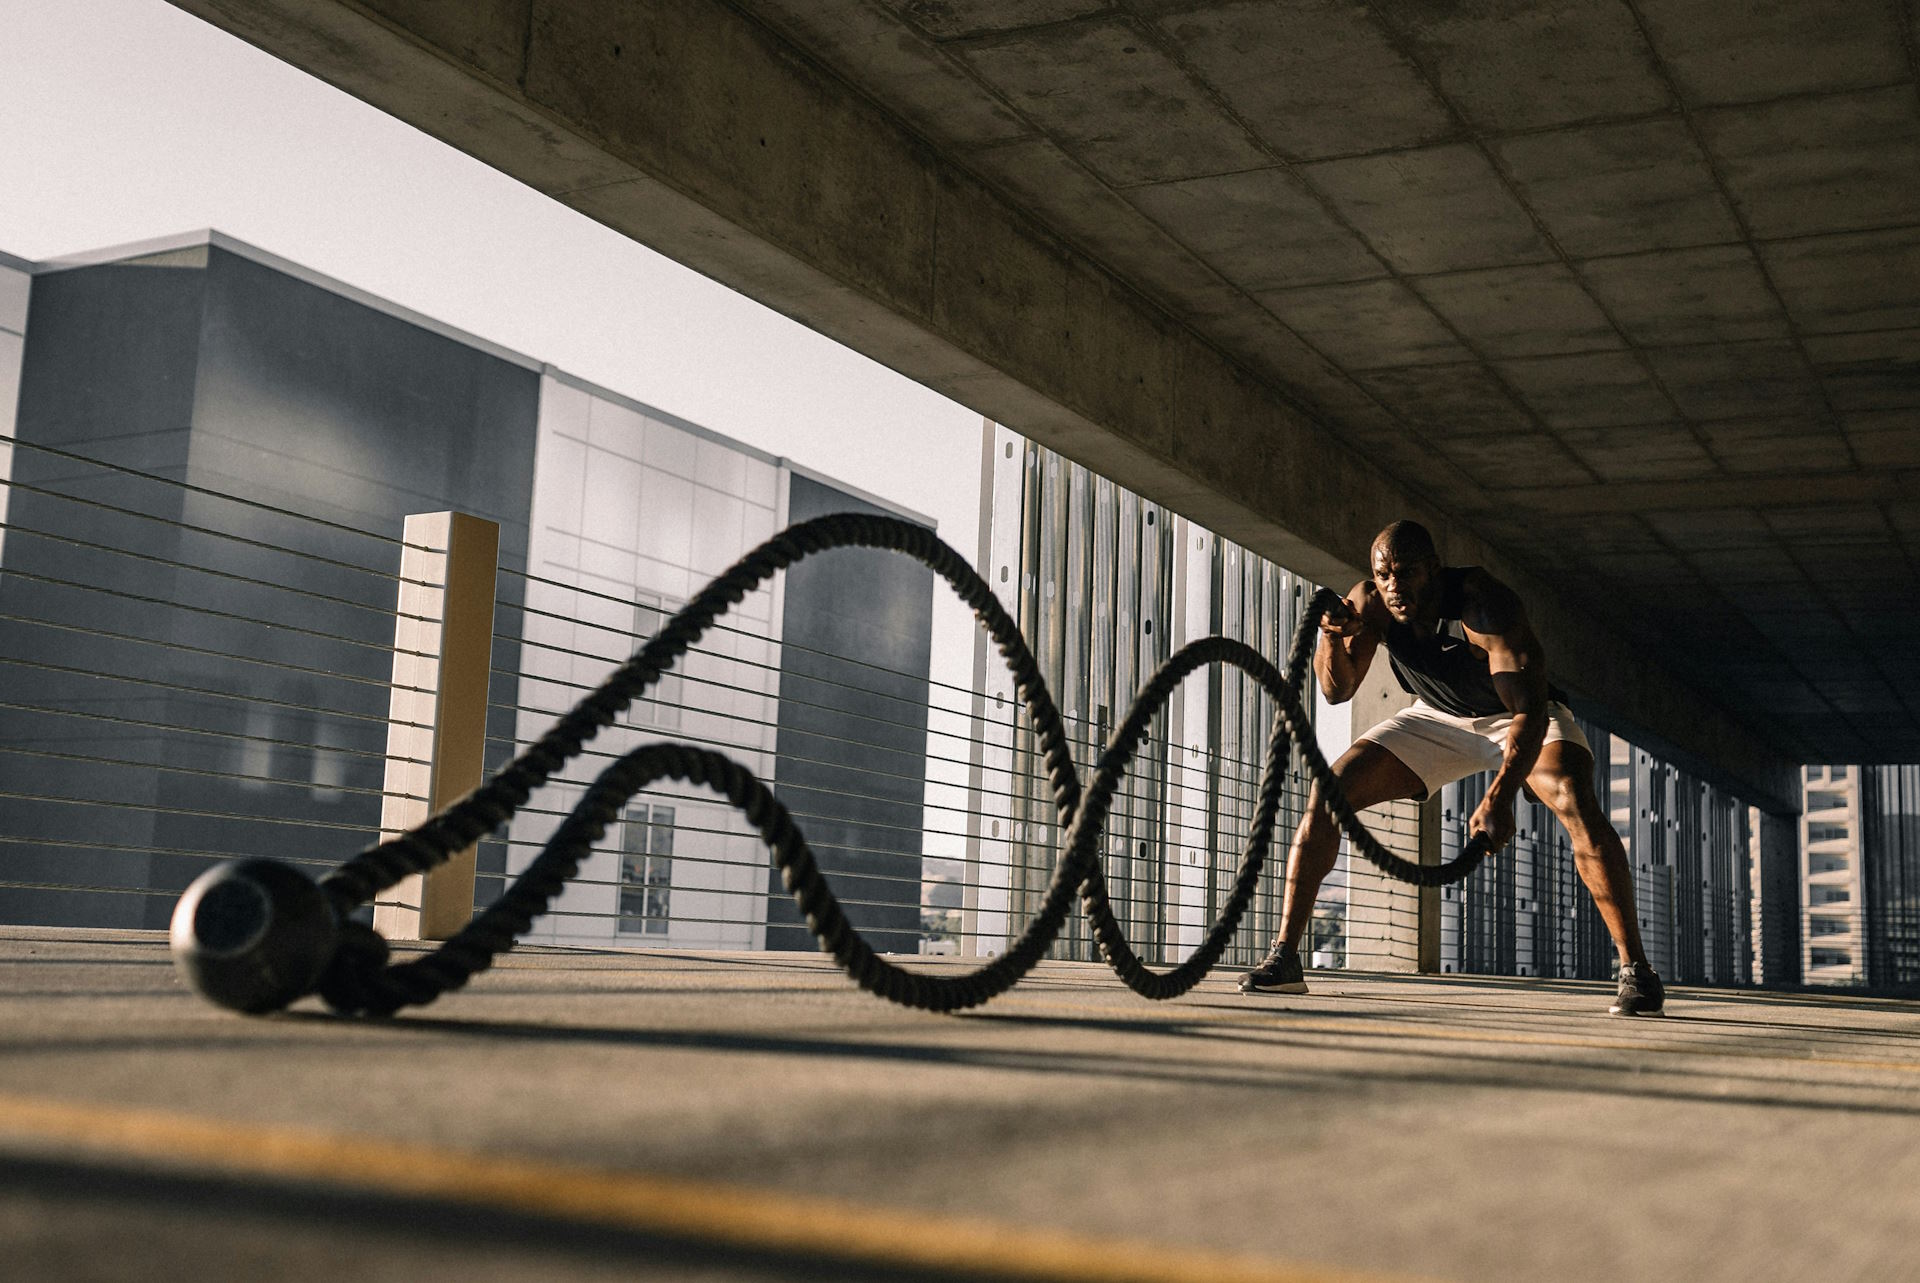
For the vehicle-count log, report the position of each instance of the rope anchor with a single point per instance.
(255, 934)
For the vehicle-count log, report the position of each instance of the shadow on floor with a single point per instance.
(1654, 1073)
(198, 1211)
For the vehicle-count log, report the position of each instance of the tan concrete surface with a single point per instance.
(1433, 1126)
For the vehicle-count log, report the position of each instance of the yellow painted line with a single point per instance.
(736, 1216)
(1287, 1023)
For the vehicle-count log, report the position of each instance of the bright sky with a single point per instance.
(122, 120)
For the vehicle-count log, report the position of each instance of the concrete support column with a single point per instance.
(437, 713)
(1427, 956)
(1388, 920)
(1777, 885)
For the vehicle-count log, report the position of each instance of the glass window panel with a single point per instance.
(646, 870)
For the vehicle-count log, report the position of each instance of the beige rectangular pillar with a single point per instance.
(437, 713)
(1429, 951)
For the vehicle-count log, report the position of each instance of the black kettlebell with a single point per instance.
(253, 935)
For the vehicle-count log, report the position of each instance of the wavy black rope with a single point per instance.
(360, 979)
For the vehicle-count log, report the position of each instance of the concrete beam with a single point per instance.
(693, 129)
(1789, 490)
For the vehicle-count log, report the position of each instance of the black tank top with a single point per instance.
(1444, 668)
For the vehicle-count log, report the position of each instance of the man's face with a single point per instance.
(1406, 584)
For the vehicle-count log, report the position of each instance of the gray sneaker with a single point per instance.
(1641, 993)
(1280, 973)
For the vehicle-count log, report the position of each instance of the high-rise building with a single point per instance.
(1860, 878)
(1830, 876)
(216, 451)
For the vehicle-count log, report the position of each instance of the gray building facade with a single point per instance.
(1104, 585)
(216, 452)
(855, 622)
(1890, 842)
(211, 673)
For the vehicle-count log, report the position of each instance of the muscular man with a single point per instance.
(1460, 643)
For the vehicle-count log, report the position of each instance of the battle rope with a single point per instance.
(255, 934)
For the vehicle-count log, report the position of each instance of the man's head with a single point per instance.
(1406, 570)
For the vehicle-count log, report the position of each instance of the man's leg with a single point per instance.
(1368, 775)
(1563, 780)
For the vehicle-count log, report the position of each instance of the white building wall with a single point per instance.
(632, 513)
(1175, 840)
(1189, 729)
(986, 924)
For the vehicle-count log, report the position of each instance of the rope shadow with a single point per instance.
(1682, 1015)
(1172, 1070)
(1321, 1040)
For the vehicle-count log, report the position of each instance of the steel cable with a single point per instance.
(360, 980)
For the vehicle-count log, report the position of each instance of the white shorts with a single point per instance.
(1441, 748)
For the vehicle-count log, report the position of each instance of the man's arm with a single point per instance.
(1497, 623)
(1348, 638)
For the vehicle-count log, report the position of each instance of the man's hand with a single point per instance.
(1494, 817)
(1341, 620)
(1347, 643)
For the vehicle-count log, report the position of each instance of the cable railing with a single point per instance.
(182, 691)
(1179, 767)
(1183, 769)
(175, 692)
(147, 724)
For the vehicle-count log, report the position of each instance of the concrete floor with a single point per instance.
(548, 1121)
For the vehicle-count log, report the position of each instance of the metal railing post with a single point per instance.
(437, 719)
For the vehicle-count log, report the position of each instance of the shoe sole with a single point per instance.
(1622, 1011)
(1298, 986)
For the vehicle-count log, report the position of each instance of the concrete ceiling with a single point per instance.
(1622, 295)
(1633, 288)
